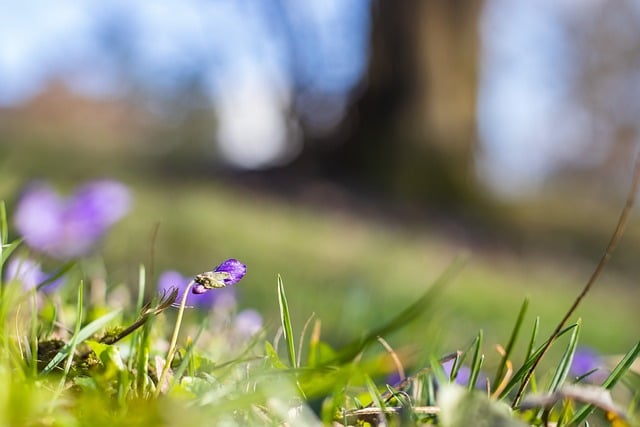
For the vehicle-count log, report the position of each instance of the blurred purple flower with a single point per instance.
(463, 376)
(228, 273)
(248, 322)
(27, 272)
(586, 360)
(172, 278)
(68, 228)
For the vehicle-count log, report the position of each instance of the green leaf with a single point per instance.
(319, 353)
(272, 356)
(285, 318)
(81, 336)
(97, 347)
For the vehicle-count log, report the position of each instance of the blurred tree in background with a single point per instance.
(411, 132)
(427, 102)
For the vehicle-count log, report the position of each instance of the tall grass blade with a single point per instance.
(520, 373)
(621, 368)
(189, 350)
(301, 340)
(534, 335)
(376, 397)
(478, 358)
(7, 249)
(565, 363)
(424, 304)
(139, 304)
(4, 228)
(512, 340)
(55, 276)
(285, 318)
(74, 339)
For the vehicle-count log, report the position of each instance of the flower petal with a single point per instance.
(38, 216)
(235, 268)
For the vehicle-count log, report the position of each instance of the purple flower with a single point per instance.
(463, 376)
(228, 273)
(27, 272)
(67, 228)
(586, 360)
(248, 322)
(171, 278)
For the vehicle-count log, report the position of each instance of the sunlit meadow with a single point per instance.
(76, 349)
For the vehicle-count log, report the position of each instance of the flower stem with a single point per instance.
(174, 339)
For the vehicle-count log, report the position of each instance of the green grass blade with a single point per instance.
(33, 336)
(457, 363)
(534, 335)
(82, 335)
(301, 340)
(74, 339)
(142, 281)
(621, 368)
(4, 228)
(512, 340)
(55, 276)
(285, 318)
(134, 348)
(423, 305)
(7, 249)
(565, 362)
(478, 358)
(189, 350)
(376, 397)
(520, 373)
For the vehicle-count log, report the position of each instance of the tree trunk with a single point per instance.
(412, 132)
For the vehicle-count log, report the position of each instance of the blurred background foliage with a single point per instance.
(354, 147)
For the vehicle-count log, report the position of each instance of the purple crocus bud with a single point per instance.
(235, 268)
(228, 273)
(27, 272)
(198, 289)
(171, 278)
(70, 228)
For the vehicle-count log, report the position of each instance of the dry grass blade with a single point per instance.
(613, 243)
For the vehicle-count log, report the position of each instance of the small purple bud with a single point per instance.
(228, 273)
(198, 289)
(235, 268)
(197, 297)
